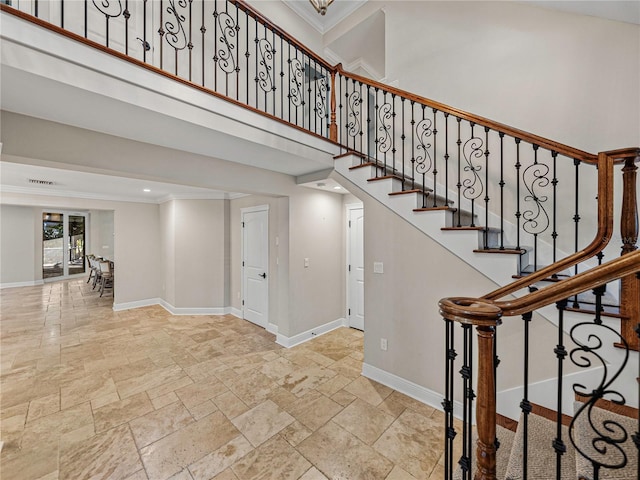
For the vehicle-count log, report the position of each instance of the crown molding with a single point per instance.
(330, 20)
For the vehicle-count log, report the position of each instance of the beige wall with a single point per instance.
(100, 238)
(168, 251)
(199, 253)
(18, 245)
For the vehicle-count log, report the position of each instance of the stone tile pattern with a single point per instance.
(87, 392)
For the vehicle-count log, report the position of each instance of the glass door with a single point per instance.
(63, 244)
(52, 243)
(76, 238)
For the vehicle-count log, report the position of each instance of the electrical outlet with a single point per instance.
(383, 344)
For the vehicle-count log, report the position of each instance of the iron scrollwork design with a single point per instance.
(175, 33)
(321, 97)
(264, 79)
(109, 9)
(226, 57)
(536, 219)
(473, 186)
(605, 436)
(354, 127)
(384, 115)
(424, 131)
(295, 82)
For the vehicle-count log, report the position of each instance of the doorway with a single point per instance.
(63, 244)
(255, 264)
(355, 266)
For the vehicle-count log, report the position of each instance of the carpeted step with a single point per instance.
(506, 440)
(585, 434)
(541, 457)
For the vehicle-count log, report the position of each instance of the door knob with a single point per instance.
(263, 275)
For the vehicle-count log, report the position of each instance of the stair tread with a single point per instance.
(584, 435)
(384, 177)
(479, 229)
(541, 457)
(505, 250)
(414, 190)
(505, 437)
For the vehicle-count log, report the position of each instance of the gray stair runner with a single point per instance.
(541, 458)
(584, 434)
(505, 437)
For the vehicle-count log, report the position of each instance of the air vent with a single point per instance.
(41, 182)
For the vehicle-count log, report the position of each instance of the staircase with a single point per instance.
(508, 202)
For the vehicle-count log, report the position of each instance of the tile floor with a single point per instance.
(89, 393)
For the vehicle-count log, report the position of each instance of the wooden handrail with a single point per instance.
(480, 311)
(499, 127)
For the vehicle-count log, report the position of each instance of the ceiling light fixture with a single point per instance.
(321, 5)
(337, 188)
(146, 190)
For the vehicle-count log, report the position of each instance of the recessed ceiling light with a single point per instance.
(321, 184)
(146, 190)
(337, 188)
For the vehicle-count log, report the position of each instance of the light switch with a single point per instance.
(306, 263)
(378, 267)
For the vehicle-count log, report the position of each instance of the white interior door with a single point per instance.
(255, 265)
(355, 268)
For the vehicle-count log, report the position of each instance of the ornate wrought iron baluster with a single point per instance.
(237, 69)
(518, 214)
(361, 117)
(281, 78)
(175, 34)
(459, 184)
(536, 219)
(127, 16)
(435, 158)
(273, 60)
(403, 138)
(486, 191)
(354, 110)
(61, 13)
(554, 182)
(203, 30)
(502, 184)
(447, 404)
(576, 220)
(190, 43)
(216, 57)
(413, 146)
(385, 113)
(110, 9)
(446, 159)
(525, 405)
(605, 436)
(86, 14)
(247, 56)
(472, 185)
(467, 403)
(424, 162)
(561, 353)
(296, 79)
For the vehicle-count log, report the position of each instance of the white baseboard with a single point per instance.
(272, 328)
(194, 311)
(289, 342)
(31, 283)
(118, 307)
(413, 390)
(236, 312)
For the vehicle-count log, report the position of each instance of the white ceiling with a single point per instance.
(14, 178)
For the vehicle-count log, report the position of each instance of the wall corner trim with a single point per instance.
(194, 310)
(303, 337)
(413, 390)
(236, 312)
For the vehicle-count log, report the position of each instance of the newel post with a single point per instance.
(485, 316)
(486, 405)
(629, 285)
(333, 126)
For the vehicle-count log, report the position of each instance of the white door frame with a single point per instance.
(349, 208)
(65, 251)
(243, 211)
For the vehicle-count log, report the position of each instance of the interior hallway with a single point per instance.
(87, 392)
